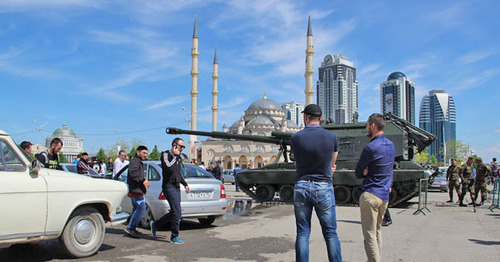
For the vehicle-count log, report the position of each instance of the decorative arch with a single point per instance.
(272, 159)
(258, 161)
(243, 162)
(228, 162)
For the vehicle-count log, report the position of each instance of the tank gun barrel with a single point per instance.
(279, 138)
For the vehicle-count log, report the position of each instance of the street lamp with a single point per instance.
(39, 129)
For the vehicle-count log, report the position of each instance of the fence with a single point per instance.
(495, 203)
(422, 196)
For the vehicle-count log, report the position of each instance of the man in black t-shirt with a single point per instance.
(49, 157)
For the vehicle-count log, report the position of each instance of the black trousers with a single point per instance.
(173, 196)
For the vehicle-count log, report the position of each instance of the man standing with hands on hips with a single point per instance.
(315, 150)
(137, 187)
(375, 166)
(171, 165)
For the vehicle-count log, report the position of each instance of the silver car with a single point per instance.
(206, 201)
(69, 167)
(228, 176)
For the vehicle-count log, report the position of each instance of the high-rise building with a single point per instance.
(397, 96)
(338, 89)
(438, 116)
(293, 112)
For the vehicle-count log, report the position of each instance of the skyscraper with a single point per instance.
(438, 116)
(338, 89)
(293, 112)
(397, 96)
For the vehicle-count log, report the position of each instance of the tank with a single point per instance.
(278, 178)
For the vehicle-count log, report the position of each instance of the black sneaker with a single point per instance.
(132, 233)
(386, 223)
(462, 205)
(449, 201)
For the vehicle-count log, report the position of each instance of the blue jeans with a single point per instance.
(320, 196)
(138, 209)
(173, 196)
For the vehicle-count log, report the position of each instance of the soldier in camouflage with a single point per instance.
(453, 177)
(482, 173)
(466, 174)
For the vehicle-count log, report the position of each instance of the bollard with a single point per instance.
(422, 196)
(495, 203)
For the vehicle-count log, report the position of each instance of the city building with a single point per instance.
(438, 116)
(338, 89)
(397, 96)
(72, 145)
(261, 118)
(293, 112)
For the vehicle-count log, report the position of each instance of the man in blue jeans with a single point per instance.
(137, 186)
(315, 150)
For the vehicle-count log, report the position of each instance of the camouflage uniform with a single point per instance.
(482, 172)
(466, 174)
(453, 176)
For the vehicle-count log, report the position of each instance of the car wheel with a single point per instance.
(83, 233)
(207, 221)
(146, 218)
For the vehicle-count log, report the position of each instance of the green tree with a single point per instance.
(101, 154)
(422, 158)
(132, 152)
(62, 158)
(433, 160)
(458, 150)
(155, 154)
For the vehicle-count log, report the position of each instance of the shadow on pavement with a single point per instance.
(484, 242)
(350, 221)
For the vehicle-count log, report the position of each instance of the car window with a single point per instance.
(9, 160)
(123, 176)
(72, 169)
(192, 171)
(153, 174)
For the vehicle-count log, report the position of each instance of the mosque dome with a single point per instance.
(262, 120)
(64, 131)
(395, 75)
(264, 103)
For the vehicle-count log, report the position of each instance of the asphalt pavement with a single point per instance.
(266, 232)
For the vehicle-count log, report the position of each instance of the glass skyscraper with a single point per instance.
(397, 96)
(338, 89)
(438, 116)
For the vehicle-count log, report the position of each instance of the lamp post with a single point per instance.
(39, 129)
(192, 138)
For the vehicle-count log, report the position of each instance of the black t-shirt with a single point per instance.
(48, 160)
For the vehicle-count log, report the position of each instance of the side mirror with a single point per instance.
(35, 167)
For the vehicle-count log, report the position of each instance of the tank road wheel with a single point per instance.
(264, 193)
(286, 193)
(356, 193)
(342, 195)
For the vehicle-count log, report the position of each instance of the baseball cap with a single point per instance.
(312, 110)
(218, 161)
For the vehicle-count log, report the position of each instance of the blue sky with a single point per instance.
(110, 68)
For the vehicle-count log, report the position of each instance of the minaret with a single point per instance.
(193, 141)
(194, 77)
(309, 91)
(215, 92)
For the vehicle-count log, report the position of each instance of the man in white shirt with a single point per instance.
(120, 162)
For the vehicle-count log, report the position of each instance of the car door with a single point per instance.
(23, 196)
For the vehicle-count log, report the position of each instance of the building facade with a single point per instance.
(72, 145)
(293, 112)
(397, 96)
(438, 116)
(261, 118)
(337, 89)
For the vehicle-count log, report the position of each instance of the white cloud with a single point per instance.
(474, 56)
(167, 102)
(368, 69)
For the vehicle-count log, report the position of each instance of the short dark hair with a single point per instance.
(25, 145)
(378, 120)
(314, 118)
(119, 152)
(141, 147)
(84, 154)
(56, 141)
(237, 165)
(494, 159)
(177, 139)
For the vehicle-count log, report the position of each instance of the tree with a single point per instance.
(62, 158)
(433, 160)
(101, 154)
(458, 150)
(422, 158)
(132, 152)
(155, 154)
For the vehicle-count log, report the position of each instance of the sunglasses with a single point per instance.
(181, 146)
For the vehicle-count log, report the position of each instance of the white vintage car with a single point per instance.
(39, 203)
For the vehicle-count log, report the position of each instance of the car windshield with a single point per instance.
(192, 171)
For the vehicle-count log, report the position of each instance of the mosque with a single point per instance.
(261, 118)
(72, 144)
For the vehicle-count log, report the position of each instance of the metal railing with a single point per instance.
(495, 202)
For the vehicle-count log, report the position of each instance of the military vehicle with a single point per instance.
(263, 183)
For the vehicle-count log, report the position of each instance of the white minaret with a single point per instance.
(309, 65)
(193, 143)
(215, 92)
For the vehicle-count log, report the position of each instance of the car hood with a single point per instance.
(62, 180)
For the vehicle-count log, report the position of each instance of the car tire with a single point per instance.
(207, 221)
(83, 233)
(146, 218)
